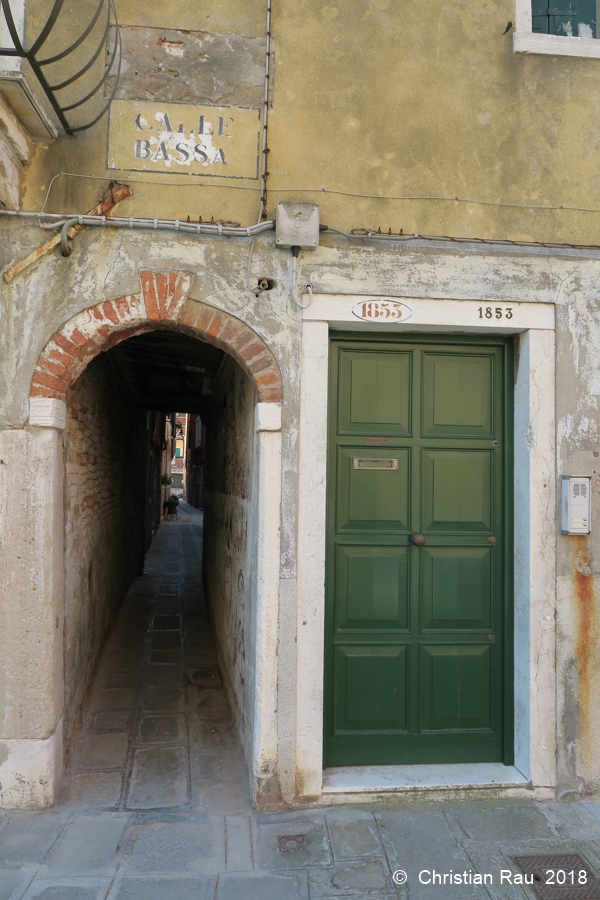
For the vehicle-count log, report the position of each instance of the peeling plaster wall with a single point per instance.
(229, 520)
(578, 594)
(191, 67)
(104, 466)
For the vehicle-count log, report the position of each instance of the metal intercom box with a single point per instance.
(576, 504)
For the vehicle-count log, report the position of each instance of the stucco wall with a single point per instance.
(578, 563)
(377, 100)
(104, 467)
(228, 537)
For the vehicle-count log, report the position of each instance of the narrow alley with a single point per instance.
(157, 730)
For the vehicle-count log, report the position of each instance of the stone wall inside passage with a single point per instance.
(104, 489)
(228, 519)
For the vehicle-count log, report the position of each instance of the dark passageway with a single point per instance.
(156, 687)
(157, 728)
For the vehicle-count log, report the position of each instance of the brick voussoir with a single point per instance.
(231, 331)
(218, 322)
(59, 356)
(260, 362)
(271, 395)
(110, 312)
(53, 368)
(39, 391)
(162, 292)
(123, 309)
(269, 378)
(178, 294)
(69, 347)
(50, 381)
(202, 317)
(149, 293)
(245, 337)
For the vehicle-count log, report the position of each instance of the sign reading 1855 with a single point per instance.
(495, 312)
(382, 310)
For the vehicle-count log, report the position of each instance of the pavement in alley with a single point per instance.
(155, 802)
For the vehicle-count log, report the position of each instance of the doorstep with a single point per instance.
(407, 779)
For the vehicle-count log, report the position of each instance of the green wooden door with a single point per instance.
(418, 666)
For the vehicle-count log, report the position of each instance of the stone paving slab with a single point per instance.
(95, 790)
(164, 676)
(26, 837)
(178, 848)
(87, 846)
(69, 889)
(159, 778)
(113, 720)
(314, 833)
(101, 751)
(198, 888)
(164, 700)
(238, 833)
(593, 808)
(209, 736)
(162, 730)
(13, 882)
(260, 886)
(418, 837)
(352, 878)
(353, 834)
(500, 822)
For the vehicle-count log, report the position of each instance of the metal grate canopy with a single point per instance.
(79, 89)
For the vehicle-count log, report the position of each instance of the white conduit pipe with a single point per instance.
(218, 229)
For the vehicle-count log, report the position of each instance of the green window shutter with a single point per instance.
(539, 15)
(570, 18)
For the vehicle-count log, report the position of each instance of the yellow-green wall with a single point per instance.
(387, 99)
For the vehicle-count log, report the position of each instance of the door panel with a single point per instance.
(456, 687)
(373, 499)
(418, 635)
(457, 395)
(456, 588)
(457, 490)
(372, 585)
(371, 685)
(376, 392)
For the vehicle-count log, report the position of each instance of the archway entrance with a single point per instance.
(164, 354)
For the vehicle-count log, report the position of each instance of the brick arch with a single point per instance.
(163, 302)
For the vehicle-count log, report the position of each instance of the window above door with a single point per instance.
(557, 28)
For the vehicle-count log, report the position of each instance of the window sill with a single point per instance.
(555, 45)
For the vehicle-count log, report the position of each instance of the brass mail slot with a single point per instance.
(389, 465)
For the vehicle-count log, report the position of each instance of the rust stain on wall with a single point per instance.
(583, 583)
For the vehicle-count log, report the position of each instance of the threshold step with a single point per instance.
(363, 779)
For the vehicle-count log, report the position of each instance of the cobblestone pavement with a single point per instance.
(155, 804)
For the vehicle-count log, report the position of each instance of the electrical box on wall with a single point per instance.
(576, 504)
(297, 225)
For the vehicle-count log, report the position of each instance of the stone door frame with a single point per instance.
(534, 563)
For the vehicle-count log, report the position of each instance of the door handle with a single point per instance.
(418, 540)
